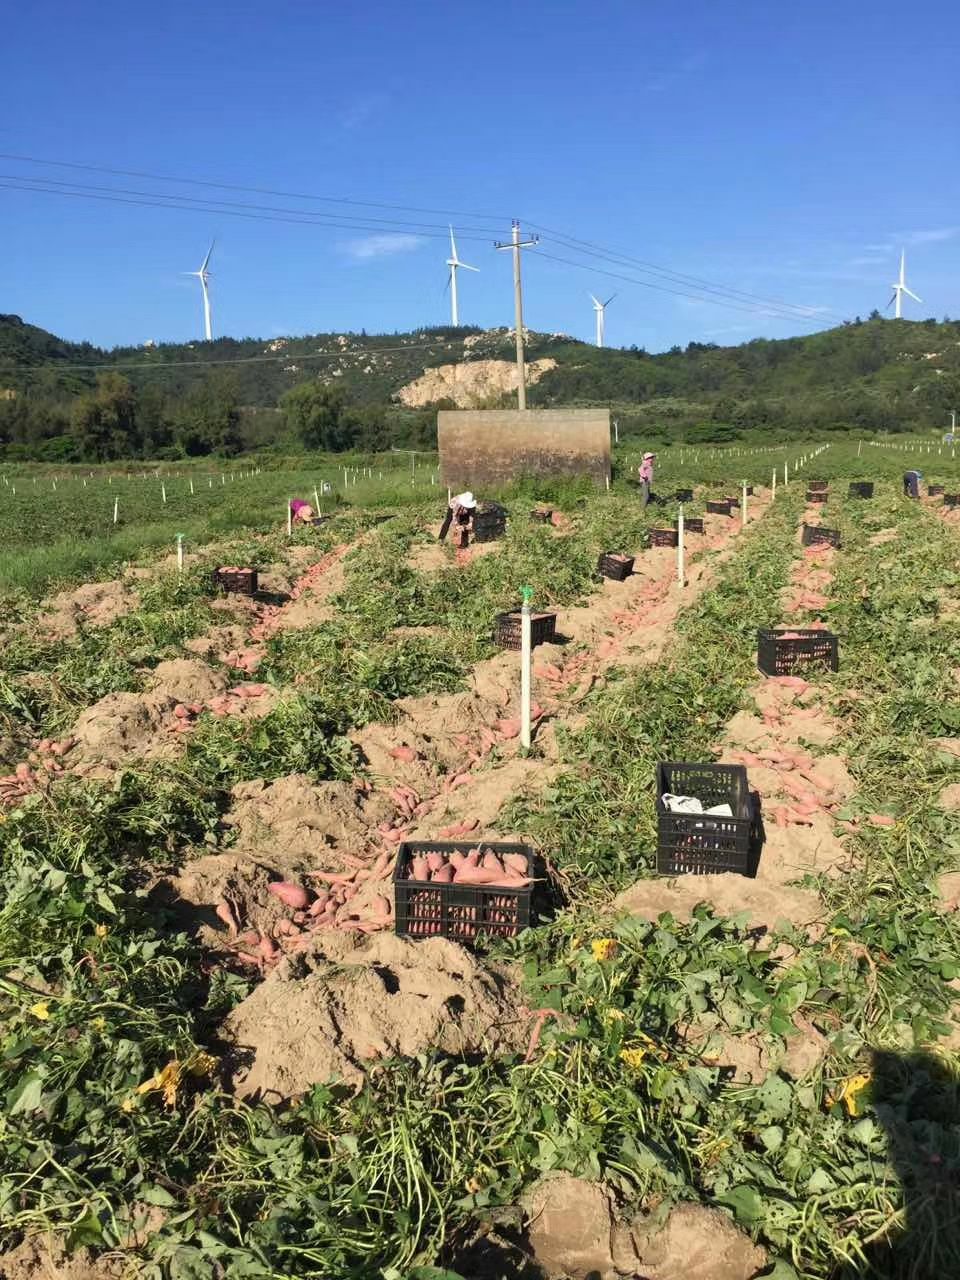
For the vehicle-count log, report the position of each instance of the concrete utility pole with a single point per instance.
(516, 244)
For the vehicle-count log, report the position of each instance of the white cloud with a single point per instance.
(670, 75)
(382, 245)
(935, 236)
(878, 248)
(361, 109)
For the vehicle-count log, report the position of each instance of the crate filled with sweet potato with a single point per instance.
(462, 891)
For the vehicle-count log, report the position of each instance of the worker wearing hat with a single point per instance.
(646, 477)
(460, 512)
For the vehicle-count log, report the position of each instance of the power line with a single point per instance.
(56, 366)
(263, 191)
(662, 288)
(296, 217)
(589, 248)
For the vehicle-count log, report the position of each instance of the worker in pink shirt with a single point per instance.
(646, 477)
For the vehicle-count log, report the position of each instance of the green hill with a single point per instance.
(70, 400)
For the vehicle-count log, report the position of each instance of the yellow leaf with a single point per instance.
(41, 1010)
(604, 948)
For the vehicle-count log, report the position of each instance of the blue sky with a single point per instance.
(785, 151)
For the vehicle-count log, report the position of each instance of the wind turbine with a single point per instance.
(203, 275)
(600, 307)
(900, 288)
(453, 262)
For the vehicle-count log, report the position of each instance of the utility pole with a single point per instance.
(516, 244)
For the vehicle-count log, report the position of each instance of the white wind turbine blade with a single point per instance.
(467, 267)
(596, 302)
(903, 261)
(203, 265)
(610, 299)
(911, 294)
(893, 298)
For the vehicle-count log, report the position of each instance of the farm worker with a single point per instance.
(460, 512)
(911, 484)
(301, 511)
(646, 477)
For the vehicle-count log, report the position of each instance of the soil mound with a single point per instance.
(336, 1013)
(44, 1258)
(124, 725)
(575, 1232)
(294, 819)
(95, 604)
(186, 680)
(726, 895)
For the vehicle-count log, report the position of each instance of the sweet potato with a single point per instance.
(443, 874)
(291, 895)
(490, 862)
(419, 868)
(224, 912)
(515, 864)
(435, 861)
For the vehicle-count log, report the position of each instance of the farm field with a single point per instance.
(712, 1076)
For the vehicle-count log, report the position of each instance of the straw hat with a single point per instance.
(648, 455)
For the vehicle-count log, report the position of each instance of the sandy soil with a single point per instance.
(353, 1004)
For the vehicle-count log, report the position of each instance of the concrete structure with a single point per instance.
(481, 447)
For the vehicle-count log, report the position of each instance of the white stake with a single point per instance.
(191, 484)
(210, 483)
(179, 553)
(744, 506)
(680, 573)
(163, 492)
(525, 673)
(223, 479)
(116, 508)
(784, 475)
(289, 518)
(774, 493)
(316, 500)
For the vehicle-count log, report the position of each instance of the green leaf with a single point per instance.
(25, 1095)
(772, 1137)
(781, 1271)
(152, 1194)
(820, 1182)
(775, 1096)
(745, 1202)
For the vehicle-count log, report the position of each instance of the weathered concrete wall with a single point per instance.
(492, 446)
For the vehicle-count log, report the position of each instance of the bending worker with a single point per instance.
(646, 477)
(911, 484)
(460, 513)
(301, 511)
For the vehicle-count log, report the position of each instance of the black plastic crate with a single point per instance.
(240, 581)
(543, 629)
(463, 913)
(614, 565)
(541, 515)
(693, 524)
(806, 647)
(814, 533)
(490, 523)
(951, 499)
(663, 537)
(718, 508)
(698, 843)
(817, 495)
(749, 490)
(817, 486)
(934, 490)
(684, 495)
(861, 489)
